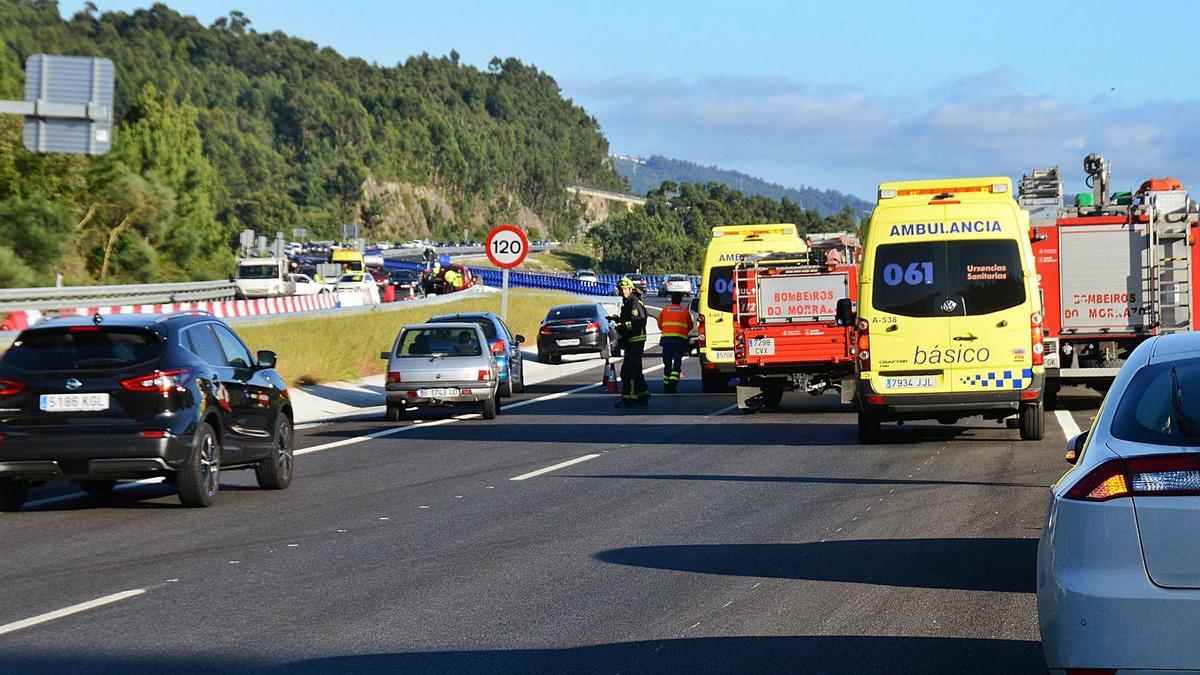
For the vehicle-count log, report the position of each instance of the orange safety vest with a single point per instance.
(675, 321)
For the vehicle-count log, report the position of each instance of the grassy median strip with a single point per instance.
(331, 348)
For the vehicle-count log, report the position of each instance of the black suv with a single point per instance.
(114, 397)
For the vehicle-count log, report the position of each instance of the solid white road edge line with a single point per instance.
(560, 465)
(68, 611)
(1067, 422)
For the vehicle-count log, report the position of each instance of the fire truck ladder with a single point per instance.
(1169, 268)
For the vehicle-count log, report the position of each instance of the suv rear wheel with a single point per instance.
(12, 494)
(200, 477)
(274, 472)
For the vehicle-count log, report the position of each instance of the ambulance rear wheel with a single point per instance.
(712, 382)
(1033, 422)
(870, 426)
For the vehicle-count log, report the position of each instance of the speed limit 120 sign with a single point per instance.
(506, 246)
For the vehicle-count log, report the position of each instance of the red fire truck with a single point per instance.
(1115, 268)
(786, 333)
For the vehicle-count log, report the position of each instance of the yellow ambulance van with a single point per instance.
(730, 244)
(949, 322)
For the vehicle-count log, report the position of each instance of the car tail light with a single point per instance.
(703, 331)
(593, 326)
(11, 387)
(162, 381)
(545, 330)
(83, 329)
(863, 345)
(484, 374)
(393, 376)
(1156, 476)
(154, 434)
(1035, 331)
(498, 346)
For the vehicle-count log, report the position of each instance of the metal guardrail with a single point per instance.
(68, 297)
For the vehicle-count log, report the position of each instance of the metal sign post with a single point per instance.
(68, 104)
(506, 246)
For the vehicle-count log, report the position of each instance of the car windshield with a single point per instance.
(350, 279)
(1161, 405)
(484, 323)
(449, 342)
(571, 312)
(257, 271)
(83, 348)
(916, 279)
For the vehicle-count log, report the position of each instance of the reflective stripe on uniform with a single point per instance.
(675, 321)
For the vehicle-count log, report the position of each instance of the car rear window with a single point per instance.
(1161, 405)
(571, 312)
(449, 342)
(83, 348)
(258, 271)
(916, 279)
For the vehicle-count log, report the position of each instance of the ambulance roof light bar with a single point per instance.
(889, 193)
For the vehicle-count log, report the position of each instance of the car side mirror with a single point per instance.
(1075, 447)
(266, 359)
(844, 315)
(520, 339)
(385, 355)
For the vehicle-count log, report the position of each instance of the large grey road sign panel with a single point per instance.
(73, 102)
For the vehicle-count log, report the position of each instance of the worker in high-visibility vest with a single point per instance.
(675, 322)
(454, 280)
(631, 327)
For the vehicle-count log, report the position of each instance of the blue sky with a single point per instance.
(832, 95)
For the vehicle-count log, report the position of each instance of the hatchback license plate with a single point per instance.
(762, 347)
(74, 402)
(445, 392)
(910, 382)
(573, 342)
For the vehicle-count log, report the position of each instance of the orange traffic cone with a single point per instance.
(610, 378)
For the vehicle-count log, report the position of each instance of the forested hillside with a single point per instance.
(649, 174)
(670, 233)
(221, 128)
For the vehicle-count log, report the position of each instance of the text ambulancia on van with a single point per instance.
(730, 245)
(950, 318)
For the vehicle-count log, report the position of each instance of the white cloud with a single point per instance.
(983, 124)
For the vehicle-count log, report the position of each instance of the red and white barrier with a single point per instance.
(22, 319)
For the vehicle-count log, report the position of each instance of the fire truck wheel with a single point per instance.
(772, 397)
(869, 427)
(1050, 398)
(1033, 422)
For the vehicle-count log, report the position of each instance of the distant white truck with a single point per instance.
(263, 278)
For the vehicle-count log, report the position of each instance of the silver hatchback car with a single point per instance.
(441, 364)
(1118, 573)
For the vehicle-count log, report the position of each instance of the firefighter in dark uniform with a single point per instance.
(631, 327)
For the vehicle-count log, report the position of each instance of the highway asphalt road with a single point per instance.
(692, 539)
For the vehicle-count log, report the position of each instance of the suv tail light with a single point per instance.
(11, 387)
(1035, 330)
(497, 346)
(1160, 475)
(161, 381)
(863, 345)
